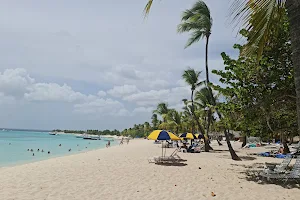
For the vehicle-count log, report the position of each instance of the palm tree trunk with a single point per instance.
(293, 9)
(234, 156)
(206, 59)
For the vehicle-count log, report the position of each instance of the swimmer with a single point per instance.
(9, 144)
(31, 150)
(77, 144)
(48, 152)
(59, 145)
(42, 150)
(69, 149)
(38, 149)
(27, 149)
(33, 154)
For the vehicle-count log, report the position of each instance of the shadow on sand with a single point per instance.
(177, 164)
(251, 173)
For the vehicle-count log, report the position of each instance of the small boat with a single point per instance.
(52, 133)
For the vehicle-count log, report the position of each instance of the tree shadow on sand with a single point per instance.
(252, 174)
(244, 158)
(220, 151)
(177, 164)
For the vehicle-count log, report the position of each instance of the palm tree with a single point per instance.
(261, 18)
(191, 77)
(154, 121)
(206, 101)
(175, 117)
(162, 109)
(198, 21)
(187, 114)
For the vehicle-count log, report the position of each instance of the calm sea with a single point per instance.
(14, 146)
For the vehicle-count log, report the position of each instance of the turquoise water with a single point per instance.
(14, 146)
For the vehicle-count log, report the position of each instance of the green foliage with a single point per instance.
(260, 96)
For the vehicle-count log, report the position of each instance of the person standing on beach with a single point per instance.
(127, 140)
(121, 141)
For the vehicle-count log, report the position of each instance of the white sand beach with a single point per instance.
(123, 172)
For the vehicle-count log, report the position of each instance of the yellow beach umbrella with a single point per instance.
(188, 136)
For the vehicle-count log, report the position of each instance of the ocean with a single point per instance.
(14, 146)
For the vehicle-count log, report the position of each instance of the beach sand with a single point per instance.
(123, 172)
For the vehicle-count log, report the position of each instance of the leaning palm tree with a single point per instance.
(191, 77)
(198, 21)
(162, 109)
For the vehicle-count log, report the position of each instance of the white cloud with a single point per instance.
(102, 107)
(15, 82)
(101, 93)
(143, 110)
(153, 97)
(122, 91)
(53, 92)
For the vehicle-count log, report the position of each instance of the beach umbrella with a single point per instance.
(188, 136)
(162, 135)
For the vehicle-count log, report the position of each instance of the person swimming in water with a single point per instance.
(31, 150)
(48, 152)
(59, 145)
(27, 149)
(33, 154)
(38, 149)
(42, 150)
(69, 149)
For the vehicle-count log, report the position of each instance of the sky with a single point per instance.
(98, 64)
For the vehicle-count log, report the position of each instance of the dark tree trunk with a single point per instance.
(206, 59)
(244, 141)
(231, 150)
(234, 156)
(285, 146)
(293, 9)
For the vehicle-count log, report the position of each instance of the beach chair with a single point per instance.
(294, 174)
(281, 168)
(173, 158)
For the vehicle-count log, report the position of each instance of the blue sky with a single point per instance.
(98, 64)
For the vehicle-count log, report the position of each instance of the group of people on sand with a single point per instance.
(123, 140)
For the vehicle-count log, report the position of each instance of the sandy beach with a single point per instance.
(123, 172)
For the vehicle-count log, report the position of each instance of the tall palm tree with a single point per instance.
(198, 21)
(191, 77)
(162, 109)
(260, 18)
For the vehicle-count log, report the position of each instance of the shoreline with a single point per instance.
(123, 172)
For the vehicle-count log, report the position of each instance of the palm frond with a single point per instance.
(258, 17)
(147, 8)
(196, 36)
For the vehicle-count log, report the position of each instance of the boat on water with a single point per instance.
(52, 133)
(89, 137)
